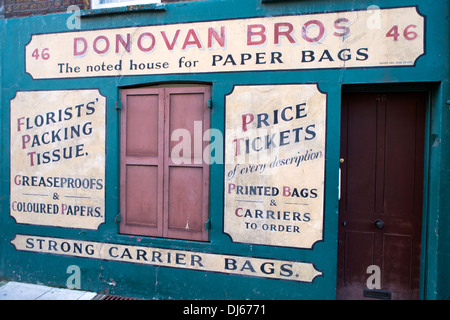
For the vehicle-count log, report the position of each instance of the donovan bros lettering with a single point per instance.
(274, 164)
(327, 40)
(58, 158)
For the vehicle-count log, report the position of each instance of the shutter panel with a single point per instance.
(187, 184)
(142, 123)
(159, 196)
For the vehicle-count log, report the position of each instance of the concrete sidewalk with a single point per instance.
(28, 291)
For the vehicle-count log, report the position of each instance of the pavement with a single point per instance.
(27, 291)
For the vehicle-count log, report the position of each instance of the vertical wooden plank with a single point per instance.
(142, 120)
(186, 109)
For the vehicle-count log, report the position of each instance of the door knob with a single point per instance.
(379, 224)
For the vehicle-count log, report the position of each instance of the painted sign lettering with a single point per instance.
(58, 158)
(275, 164)
(182, 259)
(314, 41)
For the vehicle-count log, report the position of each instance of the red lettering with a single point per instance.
(287, 33)
(170, 45)
(96, 49)
(140, 40)
(31, 157)
(238, 144)
(345, 31)
(19, 123)
(126, 45)
(245, 122)
(212, 33)
(76, 51)
(256, 31)
(307, 26)
(25, 139)
(195, 40)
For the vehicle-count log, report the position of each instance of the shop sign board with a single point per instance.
(346, 39)
(275, 164)
(58, 158)
(171, 258)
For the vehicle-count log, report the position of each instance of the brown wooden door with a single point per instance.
(380, 209)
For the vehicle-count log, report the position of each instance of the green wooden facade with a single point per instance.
(429, 73)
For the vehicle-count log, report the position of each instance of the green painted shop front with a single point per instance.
(67, 80)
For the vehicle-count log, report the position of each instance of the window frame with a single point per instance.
(121, 3)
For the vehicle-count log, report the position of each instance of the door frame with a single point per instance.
(429, 241)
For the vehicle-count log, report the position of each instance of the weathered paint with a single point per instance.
(275, 165)
(429, 73)
(344, 39)
(66, 131)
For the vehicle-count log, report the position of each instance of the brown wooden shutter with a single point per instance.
(142, 123)
(187, 184)
(159, 197)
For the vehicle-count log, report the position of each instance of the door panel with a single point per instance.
(356, 272)
(380, 210)
(397, 259)
(360, 160)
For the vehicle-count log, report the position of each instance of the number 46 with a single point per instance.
(407, 33)
(44, 54)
